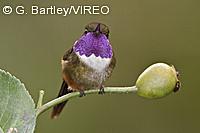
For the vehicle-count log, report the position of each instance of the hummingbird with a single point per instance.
(87, 64)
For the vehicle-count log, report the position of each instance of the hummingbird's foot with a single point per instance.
(101, 91)
(82, 93)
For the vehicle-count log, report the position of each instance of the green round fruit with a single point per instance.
(157, 81)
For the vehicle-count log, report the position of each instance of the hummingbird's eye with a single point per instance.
(86, 31)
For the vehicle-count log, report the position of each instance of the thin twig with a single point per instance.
(107, 90)
(40, 99)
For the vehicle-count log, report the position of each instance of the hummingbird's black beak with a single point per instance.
(97, 30)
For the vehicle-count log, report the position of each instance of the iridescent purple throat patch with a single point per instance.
(91, 44)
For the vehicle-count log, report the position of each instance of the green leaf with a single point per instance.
(1, 131)
(17, 109)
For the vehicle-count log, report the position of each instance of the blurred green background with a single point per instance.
(142, 32)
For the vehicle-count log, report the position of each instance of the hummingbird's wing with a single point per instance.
(67, 54)
(70, 57)
(63, 90)
(111, 66)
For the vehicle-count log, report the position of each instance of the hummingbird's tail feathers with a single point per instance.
(59, 107)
